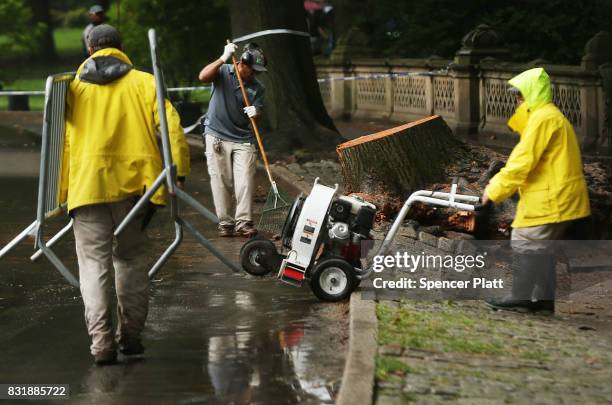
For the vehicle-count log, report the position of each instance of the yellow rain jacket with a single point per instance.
(545, 166)
(111, 148)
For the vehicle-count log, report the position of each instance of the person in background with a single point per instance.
(111, 157)
(314, 20)
(329, 28)
(229, 139)
(97, 16)
(545, 167)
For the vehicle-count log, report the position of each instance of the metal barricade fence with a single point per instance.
(54, 125)
(51, 157)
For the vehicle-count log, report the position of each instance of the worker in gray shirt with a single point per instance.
(230, 143)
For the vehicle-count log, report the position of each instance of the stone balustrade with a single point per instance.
(471, 95)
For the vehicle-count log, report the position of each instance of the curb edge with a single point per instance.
(357, 385)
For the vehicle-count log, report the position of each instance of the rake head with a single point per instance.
(275, 211)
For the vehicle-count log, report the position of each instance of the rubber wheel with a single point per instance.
(258, 257)
(327, 256)
(332, 280)
(357, 264)
(257, 236)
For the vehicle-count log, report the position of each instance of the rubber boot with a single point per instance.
(543, 297)
(524, 275)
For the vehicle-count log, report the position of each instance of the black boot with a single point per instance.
(523, 282)
(543, 297)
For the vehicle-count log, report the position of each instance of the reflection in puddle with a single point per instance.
(303, 369)
(244, 300)
(216, 300)
(243, 368)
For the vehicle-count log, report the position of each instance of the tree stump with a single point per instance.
(399, 160)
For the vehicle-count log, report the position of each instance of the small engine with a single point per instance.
(349, 223)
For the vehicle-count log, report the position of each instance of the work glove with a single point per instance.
(251, 111)
(228, 51)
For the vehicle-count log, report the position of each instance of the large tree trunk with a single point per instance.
(41, 12)
(294, 112)
(400, 160)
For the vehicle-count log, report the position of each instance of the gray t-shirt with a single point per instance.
(226, 118)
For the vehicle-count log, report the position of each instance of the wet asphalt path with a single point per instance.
(212, 336)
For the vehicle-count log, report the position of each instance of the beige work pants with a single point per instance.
(232, 165)
(537, 239)
(98, 251)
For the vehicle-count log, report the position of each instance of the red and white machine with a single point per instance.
(321, 243)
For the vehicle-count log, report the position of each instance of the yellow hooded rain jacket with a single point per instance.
(545, 166)
(111, 148)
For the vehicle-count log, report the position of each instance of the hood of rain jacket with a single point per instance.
(103, 69)
(534, 85)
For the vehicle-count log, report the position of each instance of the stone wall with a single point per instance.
(469, 92)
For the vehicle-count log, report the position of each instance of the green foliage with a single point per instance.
(66, 5)
(75, 18)
(17, 34)
(556, 30)
(190, 34)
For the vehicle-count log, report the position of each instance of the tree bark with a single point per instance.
(41, 13)
(294, 113)
(400, 160)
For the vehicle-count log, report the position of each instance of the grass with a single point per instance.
(36, 102)
(31, 84)
(68, 41)
(446, 329)
(388, 367)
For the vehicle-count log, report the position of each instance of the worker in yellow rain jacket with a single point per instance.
(111, 157)
(545, 167)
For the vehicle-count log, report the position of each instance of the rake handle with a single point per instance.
(253, 123)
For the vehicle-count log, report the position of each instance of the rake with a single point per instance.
(277, 203)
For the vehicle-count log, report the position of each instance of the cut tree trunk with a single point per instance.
(398, 160)
(294, 115)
